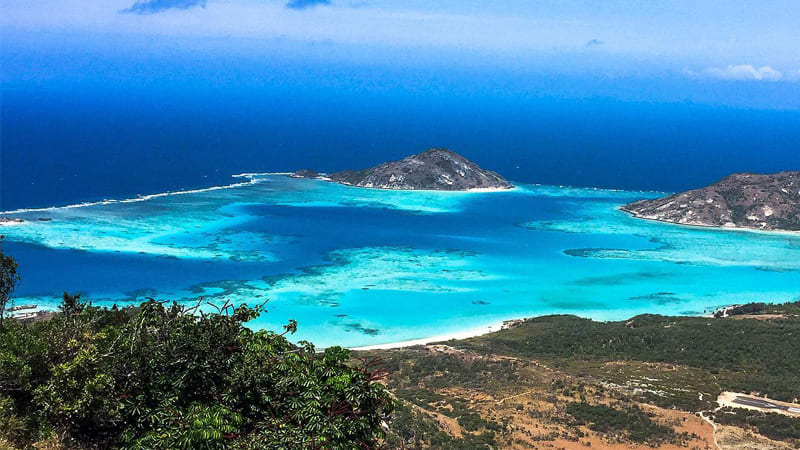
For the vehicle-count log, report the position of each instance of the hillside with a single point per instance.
(566, 382)
(742, 200)
(434, 169)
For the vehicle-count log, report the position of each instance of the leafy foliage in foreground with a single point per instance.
(8, 279)
(163, 376)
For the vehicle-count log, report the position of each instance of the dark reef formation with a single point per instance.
(742, 200)
(434, 169)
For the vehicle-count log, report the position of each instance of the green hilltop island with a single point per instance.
(742, 200)
(435, 169)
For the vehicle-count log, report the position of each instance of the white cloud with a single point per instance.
(744, 72)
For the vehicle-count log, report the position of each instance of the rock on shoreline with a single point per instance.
(305, 173)
(743, 200)
(10, 220)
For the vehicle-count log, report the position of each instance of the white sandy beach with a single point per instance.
(439, 338)
(711, 227)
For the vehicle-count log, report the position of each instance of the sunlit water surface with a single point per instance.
(362, 267)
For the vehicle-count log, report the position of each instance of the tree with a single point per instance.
(170, 376)
(8, 280)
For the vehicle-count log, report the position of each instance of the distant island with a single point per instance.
(742, 200)
(434, 169)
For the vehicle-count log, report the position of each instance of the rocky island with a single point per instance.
(305, 173)
(434, 169)
(742, 200)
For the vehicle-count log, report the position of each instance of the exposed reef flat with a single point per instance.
(435, 169)
(743, 200)
(10, 221)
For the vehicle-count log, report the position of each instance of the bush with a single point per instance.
(772, 425)
(763, 354)
(167, 376)
(633, 421)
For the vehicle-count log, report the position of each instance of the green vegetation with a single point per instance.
(749, 308)
(663, 361)
(638, 426)
(791, 308)
(8, 279)
(414, 375)
(741, 355)
(411, 428)
(772, 425)
(168, 376)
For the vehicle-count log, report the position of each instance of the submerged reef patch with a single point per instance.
(357, 326)
(620, 278)
(383, 268)
(659, 298)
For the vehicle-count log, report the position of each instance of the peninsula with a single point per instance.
(743, 200)
(434, 169)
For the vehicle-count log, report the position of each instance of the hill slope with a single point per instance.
(567, 382)
(434, 169)
(742, 200)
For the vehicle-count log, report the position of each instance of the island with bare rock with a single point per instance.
(434, 169)
(305, 173)
(743, 200)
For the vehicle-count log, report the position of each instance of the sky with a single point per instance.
(745, 53)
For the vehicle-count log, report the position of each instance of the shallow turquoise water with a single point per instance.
(362, 267)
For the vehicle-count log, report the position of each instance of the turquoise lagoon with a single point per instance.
(359, 267)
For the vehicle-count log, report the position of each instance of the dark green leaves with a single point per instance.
(164, 376)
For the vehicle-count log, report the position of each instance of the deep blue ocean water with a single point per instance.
(78, 142)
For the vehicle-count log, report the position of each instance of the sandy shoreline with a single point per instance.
(710, 227)
(438, 191)
(325, 177)
(480, 331)
(497, 326)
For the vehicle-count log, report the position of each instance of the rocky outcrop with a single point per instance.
(434, 169)
(305, 173)
(10, 220)
(742, 200)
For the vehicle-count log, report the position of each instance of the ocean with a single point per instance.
(78, 142)
(360, 267)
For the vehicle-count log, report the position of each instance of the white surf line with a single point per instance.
(142, 198)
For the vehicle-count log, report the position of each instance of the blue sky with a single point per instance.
(729, 52)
